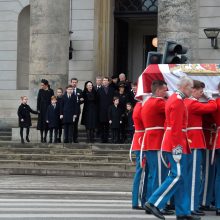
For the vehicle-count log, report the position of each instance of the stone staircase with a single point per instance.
(96, 160)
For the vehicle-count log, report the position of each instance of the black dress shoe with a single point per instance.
(188, 217)
(207, 208)
(197, 212)
(218, 212)
(147, 212)
(137, 208)
(27, 139)
(22, 140)
(76, 141)
(154, 210)
(167, 212)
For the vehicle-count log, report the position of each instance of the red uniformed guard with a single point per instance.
(216, 152)
(153, 117)
(197, 141)
(208, 169)
(135, 147)
(176, 149)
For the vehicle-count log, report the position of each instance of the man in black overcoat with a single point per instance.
(78, 93)
(105, 99)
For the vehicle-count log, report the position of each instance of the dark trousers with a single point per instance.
(68, 132)
(43, 135)
(90, 135)
(55, 131)
(115, 135)
(104, 131)
(22, 131)
(75, 129)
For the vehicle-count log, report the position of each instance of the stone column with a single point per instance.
(104, 37)
(49, 43)
(178, 21)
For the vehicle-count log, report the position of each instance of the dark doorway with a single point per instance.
(135, 27)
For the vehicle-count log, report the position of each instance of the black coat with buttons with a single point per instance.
(24, 111)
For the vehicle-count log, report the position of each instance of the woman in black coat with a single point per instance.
(24, 118)
(89, 115)
(43, 101)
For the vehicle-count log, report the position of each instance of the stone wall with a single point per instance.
(8, 41)
(82, 64)
(209, 16)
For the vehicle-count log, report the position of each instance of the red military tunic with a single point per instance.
(194, 128)
(153, 117)
(217, 121)
(176, 121)
(208, 125)
(139, 127)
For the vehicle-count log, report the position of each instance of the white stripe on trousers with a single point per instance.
(206, 178)
(159, 167)
(193, 179)
(170, 186)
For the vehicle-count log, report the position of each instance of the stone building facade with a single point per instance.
(109, 37)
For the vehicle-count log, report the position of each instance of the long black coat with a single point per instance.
(89, 114)
(123, 99)
(59, 103)
(24, 113)
(104, 101)
(129, 123)
(115, 114)
(43, 101)
(53, 116)
(69, 108)
(79, 96)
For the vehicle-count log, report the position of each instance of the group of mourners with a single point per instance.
(106, 105)
(177, 148)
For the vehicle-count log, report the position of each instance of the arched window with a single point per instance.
(23, 48)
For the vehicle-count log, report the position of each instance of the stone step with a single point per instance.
(61, 172)
(95, 146)
(66, 165)
(62, 151)
(5, 138)
(60, 157)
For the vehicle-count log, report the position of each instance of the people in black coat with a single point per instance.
(43, 101)
(114, 116)
(24, 118)
(129, 124)
(53, 118)
(78, 93)
(89, 114)
(59, 102)
(105, 97)
(69, 112)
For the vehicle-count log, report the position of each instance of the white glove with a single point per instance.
(177, 153)
(208, 94)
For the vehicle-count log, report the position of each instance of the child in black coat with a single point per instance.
(59, 103)
(114, 116)
(53, 118)
(24, 118)
(129, 122)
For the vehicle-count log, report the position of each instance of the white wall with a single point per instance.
(9, 11)
(82, 66)
(209, 16)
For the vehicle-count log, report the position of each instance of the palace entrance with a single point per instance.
(135, 23)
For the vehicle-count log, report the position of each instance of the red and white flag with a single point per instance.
(171, 73)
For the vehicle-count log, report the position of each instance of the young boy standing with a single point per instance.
(53, 118)
(129, 122)
(69, 111)
(59, 102)
(114, 116)
(24, 118)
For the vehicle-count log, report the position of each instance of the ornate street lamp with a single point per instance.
(212, 33)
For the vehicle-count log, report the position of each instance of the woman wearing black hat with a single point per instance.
(43, 101)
